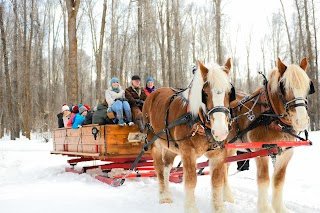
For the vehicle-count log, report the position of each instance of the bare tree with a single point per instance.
(124, 45)
(6, 70)
(248, 49)
(314, 112)
(161, 41)
(15, 100)
(316, 63)
(301, 41)
(72, 86)
(217, 4)
(98, 49)
(169, 47)
(287, 30)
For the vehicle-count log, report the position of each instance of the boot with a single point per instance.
(140, 124)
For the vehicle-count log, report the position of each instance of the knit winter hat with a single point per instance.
(149, 79)
(135, 77)
(82, 109)
(114, 79)
(75, 109)
(87, 106)
(64, 108)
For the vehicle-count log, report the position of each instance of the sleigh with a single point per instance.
(123, 153)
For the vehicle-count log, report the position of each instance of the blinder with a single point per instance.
(232, 94)
(311, 90)
(288, 104)
(223, 109)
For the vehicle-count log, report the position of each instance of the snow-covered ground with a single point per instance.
(32, 180)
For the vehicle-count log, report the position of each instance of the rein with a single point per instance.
(269, 116)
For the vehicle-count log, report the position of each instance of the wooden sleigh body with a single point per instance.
(119, 147)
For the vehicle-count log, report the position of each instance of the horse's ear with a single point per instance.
(204, 71)
(281, 67)
(304, 64)
(228, 66)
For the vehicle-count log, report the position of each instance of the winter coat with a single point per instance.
(100, 115)
(77, 120)
(70, 122)
(133, 94)
(88, 118)
(147, 91)
(60, 120)
(111, 95)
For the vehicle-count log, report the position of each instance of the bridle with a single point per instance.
(215, 109)
(288, 104)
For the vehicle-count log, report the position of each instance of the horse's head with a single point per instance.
(293, 85)
(211, 92)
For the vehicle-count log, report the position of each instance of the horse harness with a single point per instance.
(269, 116)
(199, 125)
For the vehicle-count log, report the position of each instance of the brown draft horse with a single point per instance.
(288, 87)
(212, 83)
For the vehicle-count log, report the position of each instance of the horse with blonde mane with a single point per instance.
(204, 103)
(275, 112)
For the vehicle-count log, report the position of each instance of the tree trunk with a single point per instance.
(169, 48)
(72, 86)
(112, 40)
(316, 82)
(288, 33)
(15, 101)
(6, 71)
(314, 115)
(301, 41)
(139, 37)
(27, 79)
(98, 55)
(124, 46)
(218, 31)
(161, 43)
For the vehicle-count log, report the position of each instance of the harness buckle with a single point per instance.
(251, 117)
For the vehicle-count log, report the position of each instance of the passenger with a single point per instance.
(79, 118)
(74, 111)
(149, 86)
(136, 97)
(63, 116)
(100, 115)
(117, 103)
(88, 119)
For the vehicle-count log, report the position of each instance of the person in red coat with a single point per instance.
(149, 86)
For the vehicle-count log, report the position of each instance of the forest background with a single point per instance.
(65, 51)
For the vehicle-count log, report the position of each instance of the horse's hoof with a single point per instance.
(228, 198)
(266, 209)
(281, 210)
(166, 200)
(191, 210)
(220, 210)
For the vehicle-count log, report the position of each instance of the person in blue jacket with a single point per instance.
(79, 118)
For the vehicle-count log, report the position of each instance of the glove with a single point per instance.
(139, 102)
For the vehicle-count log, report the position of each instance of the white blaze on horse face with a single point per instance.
(220, 127)
(300, 120)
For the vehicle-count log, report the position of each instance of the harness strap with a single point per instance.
(181, 120)
(262, 119)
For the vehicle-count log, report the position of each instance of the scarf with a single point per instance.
(117, 90)
(150, 90)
